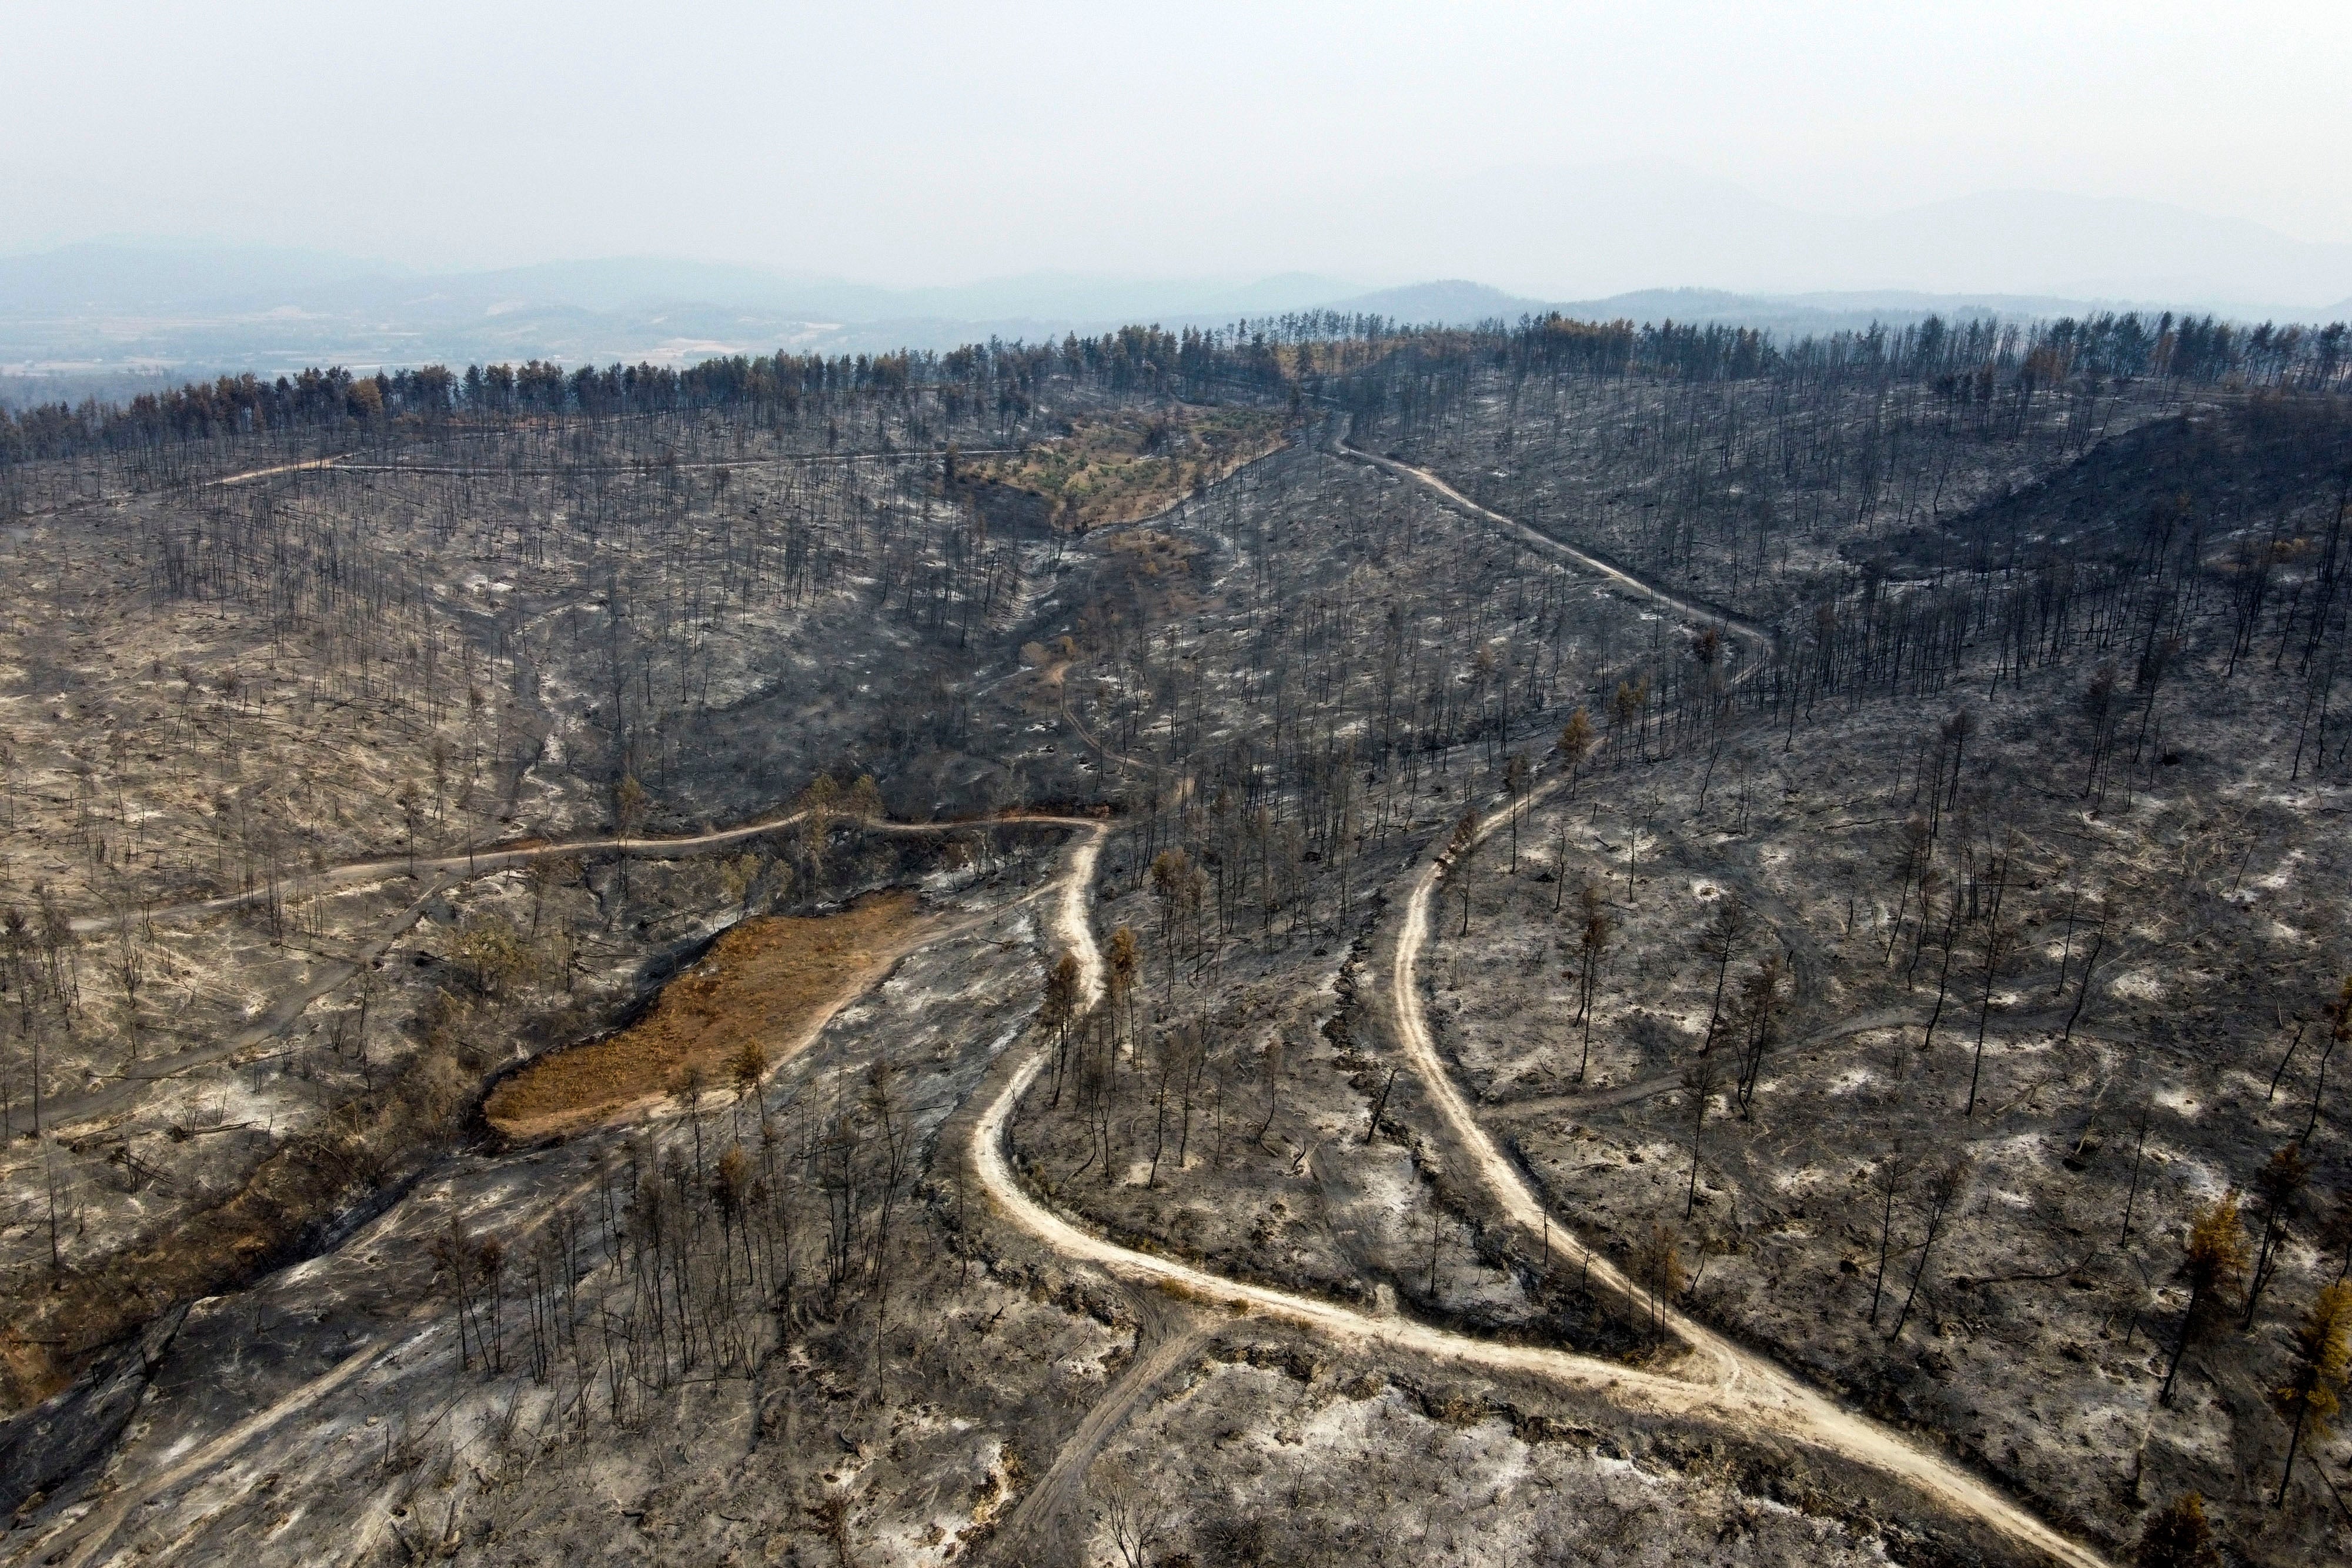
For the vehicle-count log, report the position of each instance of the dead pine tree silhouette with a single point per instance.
(1591, 942)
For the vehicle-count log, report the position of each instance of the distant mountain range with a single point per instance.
(105, 315)
(1597, 231)
(85, 281)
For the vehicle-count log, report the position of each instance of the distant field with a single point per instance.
(1131, 465)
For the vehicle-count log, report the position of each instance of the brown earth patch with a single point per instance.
(766, 982)
(1127, 466)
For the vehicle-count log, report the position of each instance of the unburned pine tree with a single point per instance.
(2177, 1536)
(1576, 742)
(2213, 1258)
(2323, 1351)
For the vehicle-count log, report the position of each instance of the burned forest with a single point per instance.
(1315, 942)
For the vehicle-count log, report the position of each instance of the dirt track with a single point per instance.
(1757, 639)
(1744, 1390)
(1739, 1389)
(1747, 1390)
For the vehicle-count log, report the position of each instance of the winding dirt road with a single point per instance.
(462, 868)
(355, 463)
(1746, 1389)
(481, 863)
(992, 1160)
(1167, 1334)
(1740, 1388)
(1736, 1388)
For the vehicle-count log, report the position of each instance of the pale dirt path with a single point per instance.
(1758, 638)
(99, 1527)
(355, 463)
(485, 862)
(479, 862)
(66, 1109)
(91, 503)
(445, 873)
(252, 473)
(1626, 1386)
(796, 459)
(1071, 928)
(352, 463)
(1747, 1388)
(1045, 1515)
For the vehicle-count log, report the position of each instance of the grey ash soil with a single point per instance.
(495, 629)
(2208, 871)
(349, 1418)
(1271, 1063)
(337, 1400)
(1285, 1452)
(789, 1326)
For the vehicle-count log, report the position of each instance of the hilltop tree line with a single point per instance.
(1965, 357)
(1134, 359)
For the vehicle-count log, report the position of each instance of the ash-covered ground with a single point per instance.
(1924, 911)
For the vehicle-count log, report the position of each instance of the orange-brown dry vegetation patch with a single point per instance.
(766, 982)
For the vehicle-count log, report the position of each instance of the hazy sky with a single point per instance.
(903, 142)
